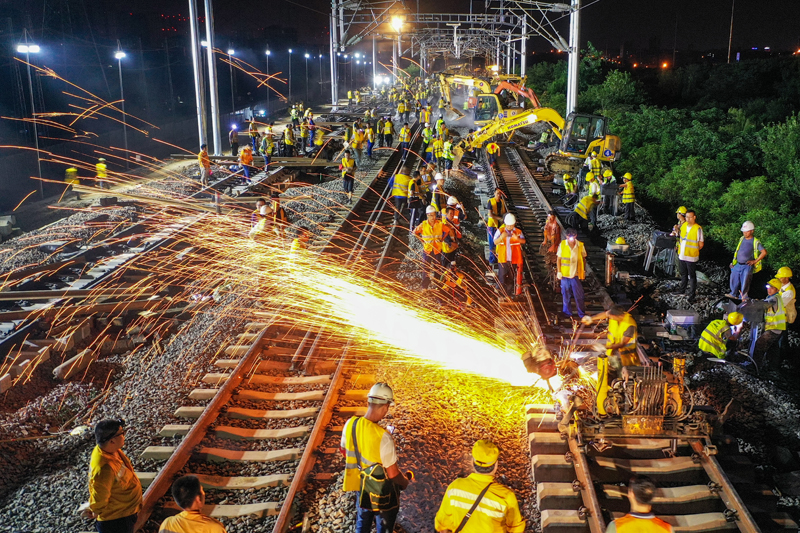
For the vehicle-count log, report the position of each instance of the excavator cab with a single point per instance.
(587, 133)
(489, 107)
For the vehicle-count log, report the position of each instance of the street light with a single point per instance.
(290, 74)
(231, 52)
(28, 49)
(119, 55)
(268, 54)
(307, 56)
(397, 24)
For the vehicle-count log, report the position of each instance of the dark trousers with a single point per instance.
(384, 521)
(120, 525)
(572, 288)
(380, 140)
(416, 209)
(403, 150)
(400, 204)
(429, 263)
(629, 211)
(234, 149)
(688, 271)
(389, 140)
(761, 354)
(510, 278)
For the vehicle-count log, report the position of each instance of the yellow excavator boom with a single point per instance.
(526, 118)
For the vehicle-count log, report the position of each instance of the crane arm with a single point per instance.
(526, 118)
(525, 92)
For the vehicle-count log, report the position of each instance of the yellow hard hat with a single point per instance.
(590, 176)
(567, 177)
(621, 240)
(681, 210)
(775, 284)
(485, 453)
(735, 318)
(784, 272)
(628, 176)
(607, 173)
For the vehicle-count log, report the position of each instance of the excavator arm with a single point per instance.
(520, 90)
(444, 82)
(526, 118)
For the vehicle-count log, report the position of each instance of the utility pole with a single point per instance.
(169, 76)
(523, 62)
(199, 93)
(574, 56)
(212, 78)
(730, 36)
(334, 46)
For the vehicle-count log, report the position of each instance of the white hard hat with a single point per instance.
(748, 226)
(452, 201)
(510, 220)
(262, 210)
(427, 125)
(430, 209)
(380, 394)
(438, 176)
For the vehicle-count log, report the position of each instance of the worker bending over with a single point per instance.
(477, 503)
(714, 339)
(641, 519)
(622, 333)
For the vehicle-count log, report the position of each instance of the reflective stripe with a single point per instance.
(616, 330)
(400, 186)
(691, 240)
(775, 319)
(482, 507)
(628, 195)
(584, 206)
(405, 135)
(565, 252)
(712, 339)
(756, 243)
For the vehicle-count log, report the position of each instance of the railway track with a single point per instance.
(581, 464)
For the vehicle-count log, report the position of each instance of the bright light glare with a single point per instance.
(231, 52)
(269, 53)
(28, 48)
(119, 54)
(307, 56)
(397, 23)
(357, 55)
(203, 43)
(290, 50)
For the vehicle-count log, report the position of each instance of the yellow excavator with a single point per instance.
(485, 96)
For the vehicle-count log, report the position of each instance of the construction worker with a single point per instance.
(233, 139)
(592, 164)
(593, 189)
(680, 213)
(379, 128)
(358, 97)
(622, 333)
(267, 149)
(628, 197)
(454, 287)
(714, 339)
(259, 230)
(279, 218)
(371, 464)
(497, 207)
(205, 165)
(416, 200)
(447, 155)
(255, 216)
(319, 139)
(788, 294)
(369, 135)
(438, 152)
(492, 151)
(427, 137)
(359, 139)
(348, 168)
(305, 137)
(401, 110)
(477, 503)
(570, 190)
(440, 126)
(405, 140)
(583, 209)
(349, 98)
(508, 246)
(442, 105)
(571, 271)
(439, 196)
(691, 242)
(188, 493)
(746, 261)
(774, 328)
(430, 233)
(399, 186)
(641, 490)
(115, 494)
(101, 173)
(451, 232)
(246, 162)
(551, 235)
(426, 175)
(388, 131)
(289, 142)
(252, 130)
(608, 198)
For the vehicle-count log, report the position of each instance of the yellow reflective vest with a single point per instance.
(431, 235)
(388, 127)
(348, 165)
(401, 107)
(791, 310)
(616, 332)
(713, 338)
(628, 196)
(691, 240)
(102, 170)
(405, 134)
(565, 253)
(368, 435)
(497, 512)
(775, 318)
(400, 186)
(114, 490)
(586, 204)
(756, 253)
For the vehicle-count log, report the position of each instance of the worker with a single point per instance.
(348, 168)
(628, 197)
(399, 187)
(551, 235)
(305, 137)
(401, 111)
(582, 212)
(714, 339)
(188, 493)
(349, 98)
(641, 490)
(746, 261)
(454, 288)
(388, 132)
(622, 334)
(447, 155)
(593, 189)
(570, 190)
(369, 136)
(379, 128)
(442, 105)
(205, 165)
(405, 140)
(477, 503)
(300, 243)
(508, 245)
(252, 130)
(115, 493)
(439, 196)
(358, 97)
(571, 271)
(289, 142)
(427, 137)
(680, 213)
(294, 114)
(233, 139)
(269, 128)
(608, 179)
(691, 242)
(451, 232)
(788, 294)
(359, 139)
(416, 200)
(497, 207)
(592, 164)
(259, 230)
(430, 233)
(267, 149)
(255, 216)
(279, 218)
(371, 464)
(774, 328)
(438, 152)
(246, 162)
(492, 151)
(101, 173)
(319, 139)
(440, 127)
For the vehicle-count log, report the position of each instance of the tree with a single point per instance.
(619, 93)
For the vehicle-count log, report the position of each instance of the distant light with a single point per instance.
(635, 65)
(263, 113)
(28, 48)
(754, 48)
(358, 62)
(119, 54)
(231, 52)
(338, 54)
(203, 43)
(290, 50)
(345, 56)
(766, 48)
(321, 56)
(664, 64)
(307, 56)
(33, 48)
(397, 23)
(357, 55)
(269, 53)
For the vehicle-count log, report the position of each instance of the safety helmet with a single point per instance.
(381, 394)
(748, 226)
(593, 154)
(735, 318)
(775, 284)
(262, 211)
(430, 209)
(784, 272)
(607, 173)
(681, 210)
(438, 176)
(567, 176)
(452, 201)
(485, 453)
(590, 176)
(427, 125)
(509, 220)
(101, 159)
(621, 240)
(628, 176)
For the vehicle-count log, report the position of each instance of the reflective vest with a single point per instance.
(253, 130)
(405, 134)
(71, 176)
(388, 127)
(616, 330)
(596, 166)
(775, 319)
(400, 186)
(690, 238)
(358, 139)
(450, 235)
(288, 138)
(570, 186)
(368, 436)
(114, 490)
(791, 311)
(401, 107)
(293, 113)
(203, 159)
(516, 247)
(492, 148)
(304, 131)
(438, 147)
(447, 150)
(102, 170)
(358, 97)
(415, 188)
(348, 164)
(427, 180)
(441, 104)
(246, 157)
(594, 187)
(756, 243)
(628, 196)
(431, 236)
(586, 204)
(497, 512)
(350, 95)
(319, 137)
(713, 338)
(641, 524)
(497, 209)
(439, 126)
(565, 253)
(427, 135)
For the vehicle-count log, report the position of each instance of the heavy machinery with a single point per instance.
(506, 101)
(445, 80)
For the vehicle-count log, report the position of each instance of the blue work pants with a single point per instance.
(384, 521)
(572, 288)
(741, 274)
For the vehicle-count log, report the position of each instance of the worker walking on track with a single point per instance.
(246, 162)
(492, 151)
(774, 329)
(628, 197)
(399, 186)
(691, 242)
(388, 132)
(101, 173)
(430, 233)
(371, 464)
(508, 247)
(714, 339)
(233, 138)
(188, 493)
(622, 334)
(746, 261)
(571, 271)
(641, 519)
(348, 168)
(451, 233)
(551, 235)
(416, 201)
(427, 137)
(477, 503)
(115, 493)
(405, 140)
(205, 165)
(252, 130)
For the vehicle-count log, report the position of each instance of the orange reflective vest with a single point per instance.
(431, 235)
(516, 245)
(631, 523)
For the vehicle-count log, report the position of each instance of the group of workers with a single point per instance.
(71, 178)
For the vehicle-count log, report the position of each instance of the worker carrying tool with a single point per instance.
(714, 339)
(478, 503)
(571, 271)
(508, 246)
(371, 464)
(641, 519)
(622, 333)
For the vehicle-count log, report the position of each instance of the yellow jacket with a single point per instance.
(191, 522)
(497, 512)
(114, 489)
